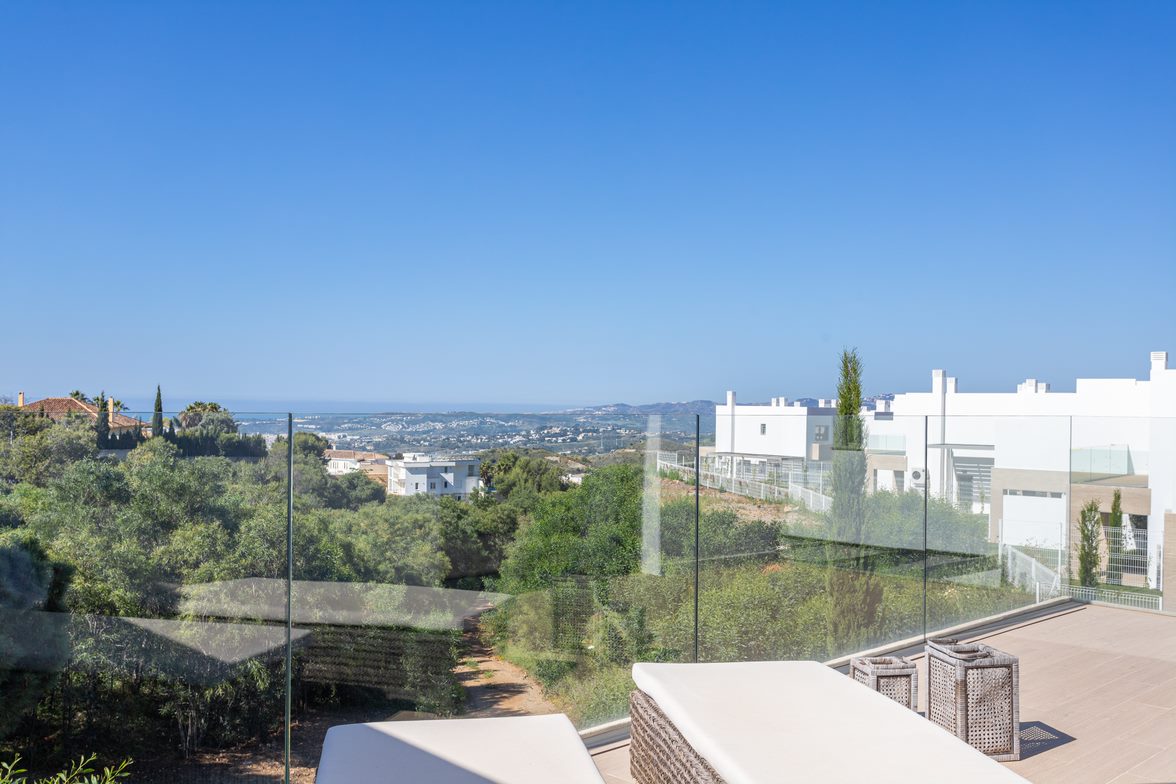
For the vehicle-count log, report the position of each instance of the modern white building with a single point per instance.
(346, 461)
(416, 473)
(1029, 459)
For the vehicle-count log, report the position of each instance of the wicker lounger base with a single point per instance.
(658, 754)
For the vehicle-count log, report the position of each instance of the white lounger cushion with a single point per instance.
(512, 750)
(769, 722)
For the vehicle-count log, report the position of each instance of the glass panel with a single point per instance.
(997, 497)
(812, 538)
(1122, 471)
(486, 564)
(117, 534)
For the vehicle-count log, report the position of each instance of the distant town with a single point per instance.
(583, 431)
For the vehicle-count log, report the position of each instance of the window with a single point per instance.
(416, 485)
(432, 485)
(820, 432)
(763, 429)
(447, 485)
(899, 480)
(470, 470)
(1033, 493)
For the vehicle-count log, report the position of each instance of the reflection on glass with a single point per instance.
(106, 516)
(433, 579)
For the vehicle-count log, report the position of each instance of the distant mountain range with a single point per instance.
(690, 407)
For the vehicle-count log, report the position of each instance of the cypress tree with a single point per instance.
(1115, 540)
(1088, 530)
(157, 417)
(103, 423)
(855, 593)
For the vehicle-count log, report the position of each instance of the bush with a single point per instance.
(1089, 520)
(29, 581)
(79, 772)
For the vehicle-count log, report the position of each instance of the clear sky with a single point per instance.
(581, 202)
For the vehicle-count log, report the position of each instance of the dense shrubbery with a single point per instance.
(583, 611)
(85, 541)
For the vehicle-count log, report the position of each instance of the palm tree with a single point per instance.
(191, 416)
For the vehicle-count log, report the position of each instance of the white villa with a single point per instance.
(346, 461)
(1029, 459)
(417, 473)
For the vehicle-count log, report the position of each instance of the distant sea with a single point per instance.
(261, 409)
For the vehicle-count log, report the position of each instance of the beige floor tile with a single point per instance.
(1158, 767)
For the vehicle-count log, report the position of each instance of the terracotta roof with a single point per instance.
(60, 407)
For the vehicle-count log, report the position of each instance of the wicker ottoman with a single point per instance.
(892, 676)
(973, 694)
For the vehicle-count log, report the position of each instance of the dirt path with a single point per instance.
(745, 508)
(495, 687)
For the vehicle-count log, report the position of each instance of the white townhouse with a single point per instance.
(415, 473)
(346, 461)
(1028, 459)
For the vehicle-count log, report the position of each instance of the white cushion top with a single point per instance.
(766, 722)
(511, 750)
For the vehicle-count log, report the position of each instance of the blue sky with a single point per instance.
(577, 203)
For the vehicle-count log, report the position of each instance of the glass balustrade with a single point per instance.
(208, 599)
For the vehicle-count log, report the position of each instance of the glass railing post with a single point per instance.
(926, 554)
(289, 590)
(697, 474)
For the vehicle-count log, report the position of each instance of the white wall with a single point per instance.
(787, 430)
(1034, 521)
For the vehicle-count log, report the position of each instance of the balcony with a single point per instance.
(196, 603)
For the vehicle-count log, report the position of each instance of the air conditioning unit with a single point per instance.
(919, 477)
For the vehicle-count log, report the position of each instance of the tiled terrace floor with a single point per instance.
(1100, 680)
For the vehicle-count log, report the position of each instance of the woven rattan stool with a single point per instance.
(973, 694)
(892, 676)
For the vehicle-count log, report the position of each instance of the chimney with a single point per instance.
(1159, 360)
(110, 410)
(20, 399)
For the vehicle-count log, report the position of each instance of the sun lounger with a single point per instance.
(772, 722)
(511, 750)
